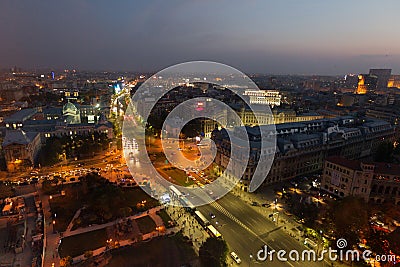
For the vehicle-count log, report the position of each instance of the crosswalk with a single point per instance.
(230, 216)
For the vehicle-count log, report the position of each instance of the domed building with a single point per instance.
(71, 114)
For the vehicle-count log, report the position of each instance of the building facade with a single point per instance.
(383, 76)
(301, 148)
(264, 97)
(21, 149)
(373, 181)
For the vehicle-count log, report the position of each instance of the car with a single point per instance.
(235, 257)
(212, 215)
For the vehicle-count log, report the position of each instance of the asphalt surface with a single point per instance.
(246, 231)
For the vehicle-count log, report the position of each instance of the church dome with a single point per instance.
(69, 108)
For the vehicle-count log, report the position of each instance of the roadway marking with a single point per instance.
(230, 216)
(236, 220)
(269, 232)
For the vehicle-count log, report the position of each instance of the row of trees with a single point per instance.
(349, 218)
(58, 148)
(213, 252)
(388, 152)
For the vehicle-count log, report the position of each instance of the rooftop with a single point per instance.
(21, 115)
(18, 137)
(347, 163)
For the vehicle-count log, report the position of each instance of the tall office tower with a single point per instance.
(383, 77)
(366, 83)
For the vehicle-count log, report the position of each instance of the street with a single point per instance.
(246, 231)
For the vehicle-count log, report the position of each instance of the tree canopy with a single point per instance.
(213, 252)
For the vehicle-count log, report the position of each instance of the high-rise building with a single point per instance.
(383, 77)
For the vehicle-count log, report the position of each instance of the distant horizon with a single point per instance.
(282, 37)
(60, 70)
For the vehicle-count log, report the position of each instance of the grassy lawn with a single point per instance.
(165, 217)
(76, 245)
(177, 175)
(104, 202)
(159, 252)
(146, 224)
(136, 195)
(65, 208)
(6, 191)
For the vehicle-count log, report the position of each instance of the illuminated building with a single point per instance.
(394, 81)
(366, 83)
(278, 116)
(20, 149)
(71, 114)
(302, 147)
(25, 129)
(264, 97)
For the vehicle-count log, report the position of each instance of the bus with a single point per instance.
(187, 205)
(201, 218)
(175, 194)
(213, 232)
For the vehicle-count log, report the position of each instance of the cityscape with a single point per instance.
(164, 149)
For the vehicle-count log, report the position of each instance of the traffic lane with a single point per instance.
(246, 213)
(239, 239)
(266, 230)
(245, 243)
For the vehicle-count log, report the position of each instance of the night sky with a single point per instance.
(279, 37)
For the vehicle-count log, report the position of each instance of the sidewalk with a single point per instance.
(71, 223)
(50, 239)
(101, 226)
(189, 226)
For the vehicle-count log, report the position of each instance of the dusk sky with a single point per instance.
(277, 37)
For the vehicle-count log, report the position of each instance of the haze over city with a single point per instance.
(275, 37)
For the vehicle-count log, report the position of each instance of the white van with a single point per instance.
(235, 257)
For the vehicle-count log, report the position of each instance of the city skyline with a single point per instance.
(256, 37)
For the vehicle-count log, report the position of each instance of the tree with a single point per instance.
(384, 152)
(66, 261)
(350, 218)
(394, 241)
(125, 211)
(50, 152)
(88, 254)
(213, 252)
